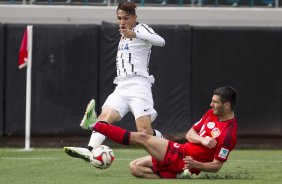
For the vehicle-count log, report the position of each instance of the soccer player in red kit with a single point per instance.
(209, 142)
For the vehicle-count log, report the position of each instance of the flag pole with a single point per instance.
(28, 87)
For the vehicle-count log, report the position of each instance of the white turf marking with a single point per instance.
(253, 161)
(29, 158)
(49, 158)
(127, 159)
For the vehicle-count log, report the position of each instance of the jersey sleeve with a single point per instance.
(145, 32)
(223, 152)
(227, 144)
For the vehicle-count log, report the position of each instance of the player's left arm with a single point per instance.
(213, 166)
(147, 33)
(144, 34)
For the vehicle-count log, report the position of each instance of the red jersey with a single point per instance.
(224, 132)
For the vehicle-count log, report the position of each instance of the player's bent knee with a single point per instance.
(133, 168)
(132, 164)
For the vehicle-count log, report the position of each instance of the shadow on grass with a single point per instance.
(227, 175)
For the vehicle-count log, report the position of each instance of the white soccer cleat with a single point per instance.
(77, 152)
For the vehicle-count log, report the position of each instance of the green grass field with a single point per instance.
(44, 166)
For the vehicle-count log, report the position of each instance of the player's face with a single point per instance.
(217, 106)
(125, 21)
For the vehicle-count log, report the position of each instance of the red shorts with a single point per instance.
(173, 161)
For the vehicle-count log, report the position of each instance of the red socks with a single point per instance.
(115, 133)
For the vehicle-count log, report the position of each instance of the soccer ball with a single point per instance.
(102, 157)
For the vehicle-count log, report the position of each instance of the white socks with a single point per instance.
(158, 134)
(96, 139)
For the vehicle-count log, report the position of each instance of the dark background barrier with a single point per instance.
(2, 74)
(64, 73)
(74, 63)
(248, 59)
(171, 66)
(14, 82)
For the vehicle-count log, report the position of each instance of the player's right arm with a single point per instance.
(213, 166)
(193, 136)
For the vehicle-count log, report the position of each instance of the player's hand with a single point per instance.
(209, 142)
(127, 33)
(189, 162)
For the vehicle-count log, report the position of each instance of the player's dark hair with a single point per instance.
(227, 94)
(127, 6)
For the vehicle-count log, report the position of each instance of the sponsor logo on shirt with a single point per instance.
(223, 153)
(126, 47)
(210, 125)
(123, 47)
(176, 145)
(215, 132)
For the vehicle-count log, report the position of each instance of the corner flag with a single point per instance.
(25, 58)
(23, 51)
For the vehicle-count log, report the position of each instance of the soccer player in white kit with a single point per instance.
(133, 91)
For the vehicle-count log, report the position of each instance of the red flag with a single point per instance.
(23, 53)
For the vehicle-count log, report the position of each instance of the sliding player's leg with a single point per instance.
(153, 145)
(142, 168)
(166, 157)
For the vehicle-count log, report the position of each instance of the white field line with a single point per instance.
(254, 161)
(127, 159)
(29, 158)
(47, 158)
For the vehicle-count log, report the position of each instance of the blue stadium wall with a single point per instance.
(74, 63)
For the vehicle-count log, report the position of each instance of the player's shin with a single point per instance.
(115, 133)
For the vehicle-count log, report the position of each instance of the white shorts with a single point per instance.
(133, 94)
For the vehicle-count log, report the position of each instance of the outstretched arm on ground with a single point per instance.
(213, 166)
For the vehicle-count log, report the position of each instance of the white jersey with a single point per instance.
(134, 53)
